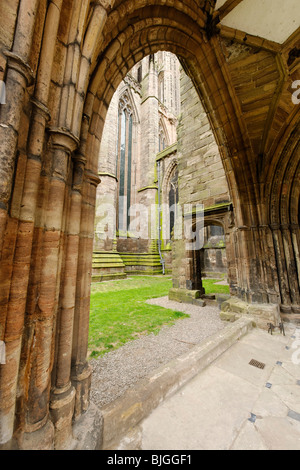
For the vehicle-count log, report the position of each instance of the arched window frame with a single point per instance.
(124, 161)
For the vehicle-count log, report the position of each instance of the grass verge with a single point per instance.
(119, 312)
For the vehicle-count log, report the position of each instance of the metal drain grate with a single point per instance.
(259, 365)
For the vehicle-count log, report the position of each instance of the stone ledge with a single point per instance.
(186, 296)
(121, 417)
(108, 277)
(262, 314)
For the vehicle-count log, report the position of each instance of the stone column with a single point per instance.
(229, 227)
(19, 77)
(295, 233)
(81, 370)
(63, 393)
(291, 268)
(269, 261)
(282, 269)
(38, 428)
(243, 243)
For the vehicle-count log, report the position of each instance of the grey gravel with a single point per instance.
(119, 370)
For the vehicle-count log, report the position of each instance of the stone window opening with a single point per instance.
(124, 161)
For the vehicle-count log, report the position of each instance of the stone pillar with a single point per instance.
(295, 233)
(291, 268)
(229, 229)
(81, 370)
(282, 269)
(38, 428)
(269, 263)
(63, 394)
(19, 77)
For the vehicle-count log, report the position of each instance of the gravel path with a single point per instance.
(119, 370)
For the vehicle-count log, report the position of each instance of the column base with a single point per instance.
(187, 296)
(40, 439)
(62, 406)
(81, 381)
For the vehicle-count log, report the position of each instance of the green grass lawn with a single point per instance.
(119, 312)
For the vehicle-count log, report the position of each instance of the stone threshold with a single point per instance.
(122, 417)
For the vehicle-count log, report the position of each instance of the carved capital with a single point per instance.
(92, 177)
(63, 139)
(15, 62)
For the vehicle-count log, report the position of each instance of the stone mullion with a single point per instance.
(126, 171)
(81, 371)
(118, 169)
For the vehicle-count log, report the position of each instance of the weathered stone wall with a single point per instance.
(201, 173)
(202, 178)
(150, 110)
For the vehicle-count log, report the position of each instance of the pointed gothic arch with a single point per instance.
(76, 53)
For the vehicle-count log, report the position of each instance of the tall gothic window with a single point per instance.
(162, 138)
(124, 161)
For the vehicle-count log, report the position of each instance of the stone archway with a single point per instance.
(61, 62)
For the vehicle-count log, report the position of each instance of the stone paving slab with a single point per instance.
(233, 405)
(122, 416)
